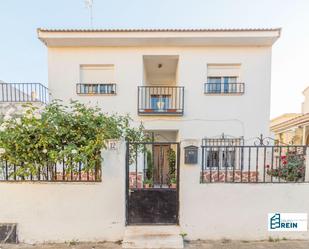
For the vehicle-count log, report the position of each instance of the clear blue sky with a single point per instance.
(23, 57)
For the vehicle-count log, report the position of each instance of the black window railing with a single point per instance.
(60, 172)
(253, 164)
(224, 88)
(160, 100)
(96, 88)
(23, 92)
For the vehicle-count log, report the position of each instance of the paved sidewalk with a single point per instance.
(189, 245)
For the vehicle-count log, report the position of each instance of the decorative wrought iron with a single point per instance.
(223, 140)
(261, 162)
(262, 141)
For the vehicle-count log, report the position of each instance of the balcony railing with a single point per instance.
(223, 88)
(23, 92)
(160, 100)
(96, 89)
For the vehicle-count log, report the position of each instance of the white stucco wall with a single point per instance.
(204, 115)
(59, 212)
(236, 211)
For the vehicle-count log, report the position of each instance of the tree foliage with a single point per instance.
(73, 133)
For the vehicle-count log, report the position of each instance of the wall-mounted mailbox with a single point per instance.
(191, 154)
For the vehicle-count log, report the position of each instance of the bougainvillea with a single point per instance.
(292, 167)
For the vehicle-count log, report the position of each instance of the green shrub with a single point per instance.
(74, 133)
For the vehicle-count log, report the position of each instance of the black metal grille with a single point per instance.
(23, 92)
(223, 141)
(222, 88)
(255, 164)
(95, 88)
(61, 172)
(160, 100)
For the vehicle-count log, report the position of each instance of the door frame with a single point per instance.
(127, 187)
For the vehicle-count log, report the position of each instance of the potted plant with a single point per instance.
(160, 105)
(147, 183)
(172, 110)
(173, 183)
(148, 110)
(172, 168)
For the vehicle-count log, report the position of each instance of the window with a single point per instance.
(223, 78)
(226, 84)
(96, 79)
(96, 88)
(214, 84)
(160, 102)
(221, 152)
(221, 157)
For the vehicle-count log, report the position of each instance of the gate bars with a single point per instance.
(149, 165)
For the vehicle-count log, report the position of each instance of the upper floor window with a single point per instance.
(223, 79)
(96, 88)
(222, 84)
(160, 102)
(97, 79)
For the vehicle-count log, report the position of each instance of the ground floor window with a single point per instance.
(223, 156)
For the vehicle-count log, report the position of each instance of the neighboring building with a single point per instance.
(14, 95)
(293, 128)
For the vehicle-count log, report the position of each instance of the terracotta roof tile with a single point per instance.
(161, 30)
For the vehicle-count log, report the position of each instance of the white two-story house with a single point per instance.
(182, 84)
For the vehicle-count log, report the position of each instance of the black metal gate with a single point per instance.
(152, 177)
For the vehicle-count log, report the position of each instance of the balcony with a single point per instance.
(161, 100)
(23, 92)
(224, 88)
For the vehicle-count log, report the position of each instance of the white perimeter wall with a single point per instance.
(236, 211)
(58, 212)
(62, 212)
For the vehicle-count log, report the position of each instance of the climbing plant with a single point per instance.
(72, 133)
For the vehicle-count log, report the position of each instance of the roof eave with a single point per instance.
(140, 37)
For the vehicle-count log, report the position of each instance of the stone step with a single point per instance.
(152, 237)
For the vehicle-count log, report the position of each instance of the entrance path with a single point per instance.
(225, 244)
